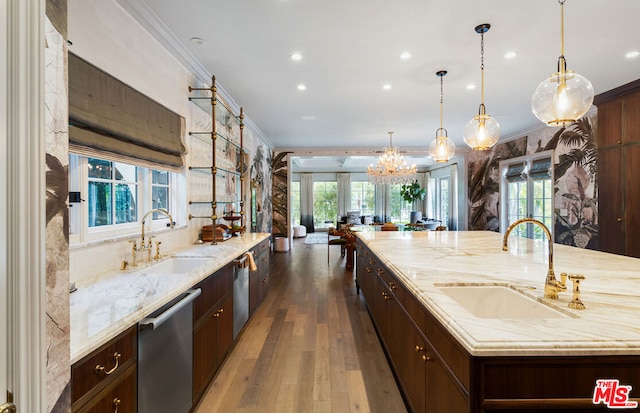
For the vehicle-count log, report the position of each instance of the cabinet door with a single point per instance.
(224, 329)
(611, 193)
(442, 394)
(414, 373)
(120, 396)
(632, 118)
(610, 124)
(204, 354)
(632, 198)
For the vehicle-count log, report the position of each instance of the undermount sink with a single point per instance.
(174, 265)
(499, 302)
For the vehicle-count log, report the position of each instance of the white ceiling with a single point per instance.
(351, 48)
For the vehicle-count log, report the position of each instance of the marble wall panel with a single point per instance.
(57, 232)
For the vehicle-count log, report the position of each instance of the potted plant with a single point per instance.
(412, 193)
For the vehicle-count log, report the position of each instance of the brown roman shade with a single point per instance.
(109, 116)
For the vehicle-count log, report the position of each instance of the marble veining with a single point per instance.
(106, 305)
(424, 261)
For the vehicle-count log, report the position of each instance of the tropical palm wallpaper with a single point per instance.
(575, 181)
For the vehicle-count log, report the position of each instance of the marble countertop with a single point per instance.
(426, 261)
(107, 305)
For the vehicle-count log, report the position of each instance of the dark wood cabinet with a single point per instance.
(212, 327)
(618, 167)
(106, 378)
(427, 384)
(436, 374)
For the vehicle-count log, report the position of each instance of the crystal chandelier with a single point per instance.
(441, 149)
(391, 167)
(483, 131)
(565, 96)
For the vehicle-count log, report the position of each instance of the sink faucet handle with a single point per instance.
(562, 284)
(576, 303)
(158, 256)
(150, 243)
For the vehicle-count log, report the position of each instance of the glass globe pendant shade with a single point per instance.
(481, 132)
(442, 149)
(562, 98)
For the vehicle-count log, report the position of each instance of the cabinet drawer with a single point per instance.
(120, 396)
(452, 353)
(213, 289)
(104, 364)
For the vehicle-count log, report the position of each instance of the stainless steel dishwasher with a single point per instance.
(165, 357)
(241, 292)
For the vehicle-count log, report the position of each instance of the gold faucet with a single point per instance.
(161, 210)
(551, 284)
(149, 245)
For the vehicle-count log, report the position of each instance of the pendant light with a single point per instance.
(565, 96)
(441, 149)
(483, 131)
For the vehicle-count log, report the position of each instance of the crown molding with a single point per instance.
(150, 21)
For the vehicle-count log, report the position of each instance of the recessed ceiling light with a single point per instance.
(197, 40)
(296, 56)
(632, 54)
(301, 87)
(471, 86)
(405, 56)
(308, 117)
(386, 86)
(510, 55)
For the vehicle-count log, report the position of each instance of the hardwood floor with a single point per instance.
(310, 347)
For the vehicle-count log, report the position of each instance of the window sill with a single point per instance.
(120, 238)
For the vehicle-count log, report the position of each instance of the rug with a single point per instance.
(318, 238)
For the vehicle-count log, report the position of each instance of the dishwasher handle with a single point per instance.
(155, 322)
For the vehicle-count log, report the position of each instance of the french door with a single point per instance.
(527, 192)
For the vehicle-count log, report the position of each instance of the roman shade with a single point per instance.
(109, 116)
(515, 172)
(540, 169)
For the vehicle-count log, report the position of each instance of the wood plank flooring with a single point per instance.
(310, 347)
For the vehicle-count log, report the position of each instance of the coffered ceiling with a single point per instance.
(351, 48)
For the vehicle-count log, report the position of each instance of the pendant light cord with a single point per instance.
(561, 27)
(482, 63)
(441, 99)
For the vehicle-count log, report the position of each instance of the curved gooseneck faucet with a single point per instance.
(161, 210)
(551, 284)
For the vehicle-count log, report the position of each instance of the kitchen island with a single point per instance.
(508, 360)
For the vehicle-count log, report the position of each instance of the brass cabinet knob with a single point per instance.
(380, 272)
(371, 261)
(385, 296)
(425, 358)
(116, 404)
(264, 280)
(619, 219)
(369, 270)
(393, 286)
(419, 349)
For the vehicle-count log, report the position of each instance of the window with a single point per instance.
(363, 197)
(400, 209)
(115, 196)
(325, 205)
(112, 192)
(159, 191)
(443, 200)
(529, 193)
(294, 192)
